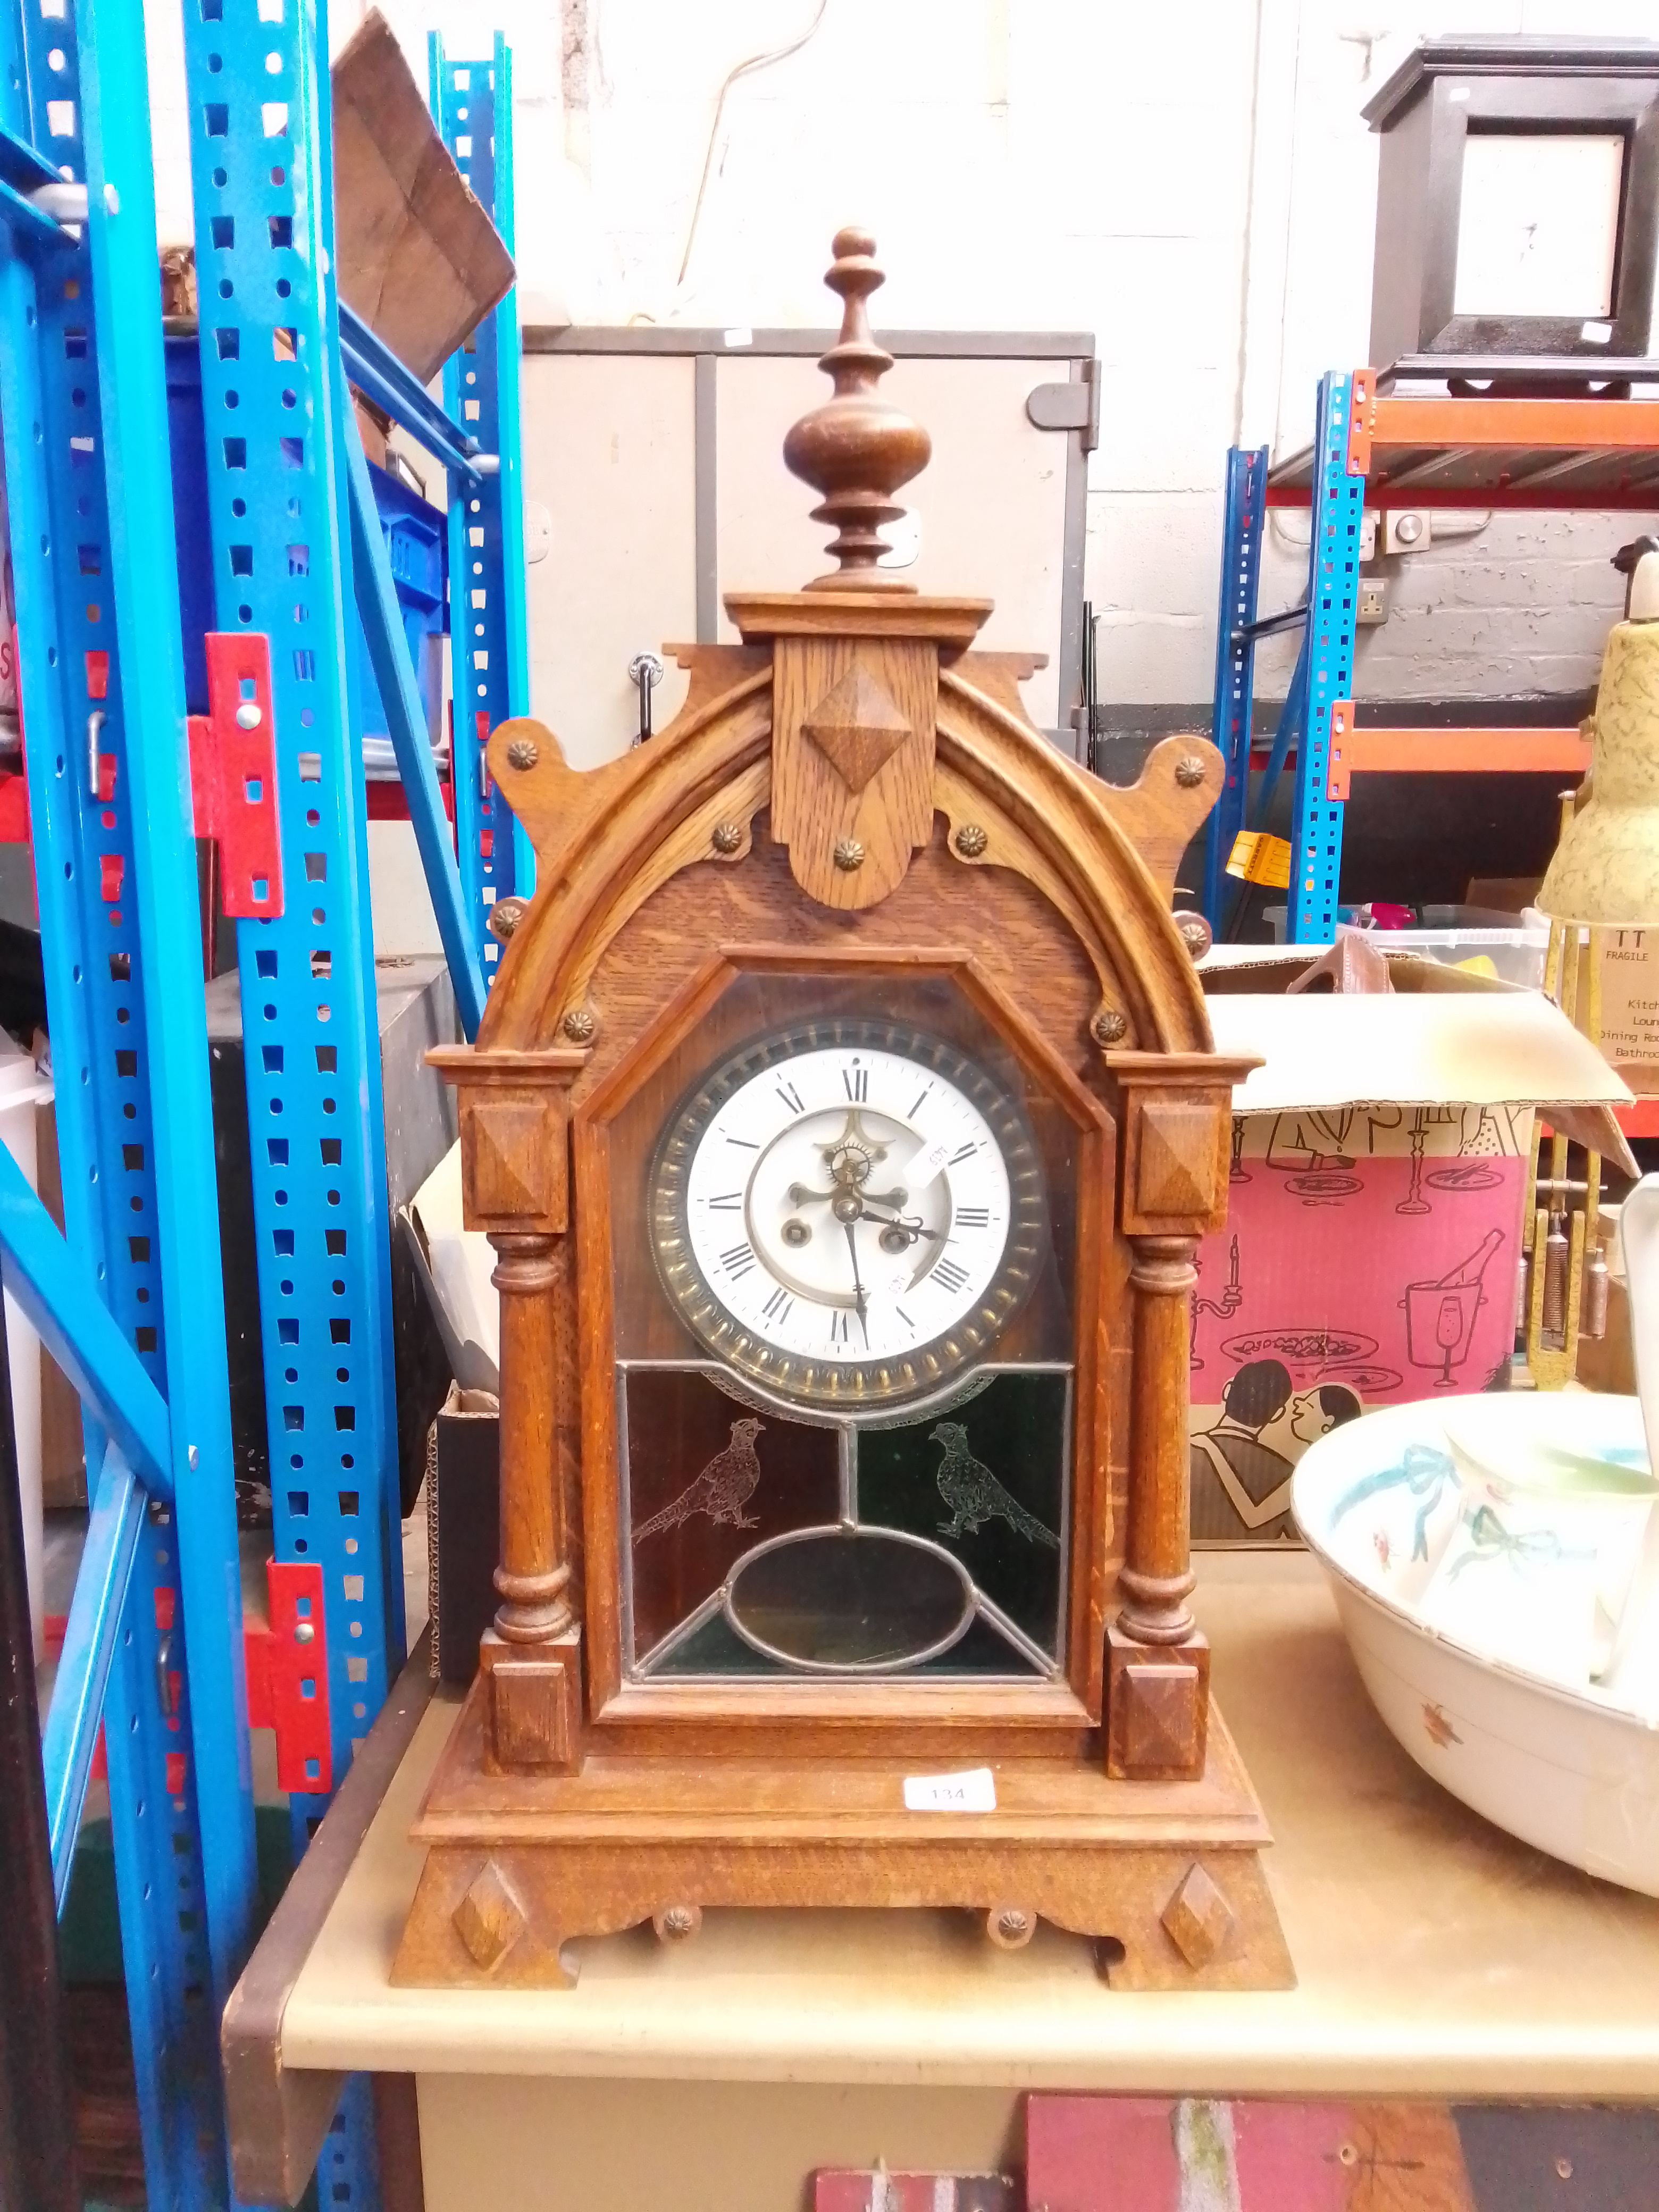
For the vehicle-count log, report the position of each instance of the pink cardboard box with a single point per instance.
(1371, 1253)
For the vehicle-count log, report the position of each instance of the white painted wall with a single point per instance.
(1191, 180)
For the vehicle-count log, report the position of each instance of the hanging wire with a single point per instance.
(754, 63)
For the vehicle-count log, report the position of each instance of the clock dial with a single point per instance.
(848, 1211)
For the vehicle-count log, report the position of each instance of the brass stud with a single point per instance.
(677, 1924)
(1189, 771)
(522, 752)
(971, 841)
(848, 854)
(579, 1025)
(1109, 1026)
(727, 837)
(506, 915)
(1010, 1927)
(1196, 934)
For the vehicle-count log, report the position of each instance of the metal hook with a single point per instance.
(645, 670)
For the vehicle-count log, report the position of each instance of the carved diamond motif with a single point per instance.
(1177, 1171)
(856, 727)
(1198, 1918)
(488, 1919)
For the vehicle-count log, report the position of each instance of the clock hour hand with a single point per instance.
(859, 1298)
(912, 1230)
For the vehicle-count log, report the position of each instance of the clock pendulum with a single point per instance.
(845, 1116)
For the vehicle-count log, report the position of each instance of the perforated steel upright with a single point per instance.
(489, 651)
(103, 706)
(260, 156)
(1235, 661)
(1326, 667)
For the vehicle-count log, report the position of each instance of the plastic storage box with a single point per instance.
(1515, 943)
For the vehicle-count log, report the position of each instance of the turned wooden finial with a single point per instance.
(857, 449)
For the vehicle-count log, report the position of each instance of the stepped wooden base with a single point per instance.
(1166, 1876)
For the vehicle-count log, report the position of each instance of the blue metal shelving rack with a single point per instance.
(1323, 676)
(277, 504)
(1326, 667)
(123, 1300)
(489, 648)
(1235, 661)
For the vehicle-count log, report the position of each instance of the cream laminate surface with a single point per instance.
(1436, 1954)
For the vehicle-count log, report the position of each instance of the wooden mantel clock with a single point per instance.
(845, 1116)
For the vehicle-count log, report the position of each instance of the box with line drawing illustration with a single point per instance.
(1371, 1252)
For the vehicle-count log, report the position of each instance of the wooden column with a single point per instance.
(515, 1148)
(1176, 1122)
(532, 1576)
(1155, 1576)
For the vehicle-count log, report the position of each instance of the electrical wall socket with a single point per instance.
(1368, 522)
(1373, 601)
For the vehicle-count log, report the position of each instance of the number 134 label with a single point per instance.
(973, 1791)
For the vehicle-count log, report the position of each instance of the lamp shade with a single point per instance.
(1606, 869)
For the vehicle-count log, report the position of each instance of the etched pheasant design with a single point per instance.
(974, 1494)
(721, 1490)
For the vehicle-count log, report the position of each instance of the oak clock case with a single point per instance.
(845, 1117)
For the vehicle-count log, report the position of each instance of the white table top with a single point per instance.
(1436, 1954)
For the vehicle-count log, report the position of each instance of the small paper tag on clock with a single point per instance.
(926, 1166)
(973, 1791)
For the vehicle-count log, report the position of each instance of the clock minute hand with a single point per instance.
(859, 1298)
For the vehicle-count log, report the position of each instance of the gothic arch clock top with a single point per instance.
(845, 1116)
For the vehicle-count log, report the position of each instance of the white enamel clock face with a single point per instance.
(849, 1211)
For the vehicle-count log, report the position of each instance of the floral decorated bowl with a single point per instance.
(1495, 1563)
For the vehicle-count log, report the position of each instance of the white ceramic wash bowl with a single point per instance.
(1574, 1771)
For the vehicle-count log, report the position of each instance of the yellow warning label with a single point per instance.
(1261, 859)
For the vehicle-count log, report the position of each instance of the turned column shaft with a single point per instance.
(532, 1575)
(1157, 1573)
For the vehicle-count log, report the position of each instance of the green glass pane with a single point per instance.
(713, 1648)
(984, 1652)
(989, 1482)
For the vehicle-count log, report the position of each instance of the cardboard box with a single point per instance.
(463, 1529)
(415, 253)
(1371, 1253)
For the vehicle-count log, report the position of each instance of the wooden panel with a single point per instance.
(835, 703)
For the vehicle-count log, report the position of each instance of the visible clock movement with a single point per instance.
(845, 1117)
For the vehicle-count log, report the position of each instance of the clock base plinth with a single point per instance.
(1166, 1876)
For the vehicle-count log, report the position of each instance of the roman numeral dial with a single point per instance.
(849, 1212)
